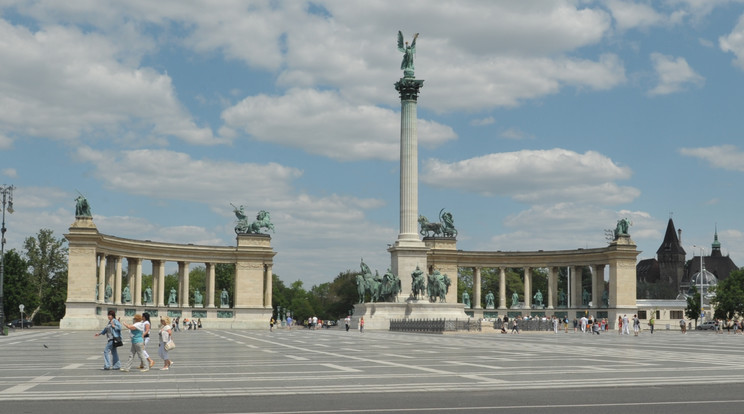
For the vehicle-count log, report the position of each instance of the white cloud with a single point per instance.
(734, 42)
(62, 83)
(324, 123)
(673, 74)
(629, 15)
(9, 172)
(727, 157)
(535, 176)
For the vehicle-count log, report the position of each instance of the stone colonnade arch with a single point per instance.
(619, 257)
(95, 261)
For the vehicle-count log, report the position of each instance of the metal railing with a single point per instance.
(434, 325)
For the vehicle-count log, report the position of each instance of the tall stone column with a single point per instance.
(137, 280)
(552, 285)
(502, 288)
(183, 278)
(158, 273)
(210, 285)
(117, 280)
(408, 251)
(527, 288)
(101, 277)
(597, 285)
(477, 288)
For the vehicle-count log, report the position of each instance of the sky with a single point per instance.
(540, 123)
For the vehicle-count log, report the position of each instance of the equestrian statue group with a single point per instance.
(386, 288)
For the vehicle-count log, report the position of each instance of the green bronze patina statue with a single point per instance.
(438, 286)
(466, 299)
(126, 295)
(622, 228)
(418, 283)
(198, 298)
(515, 300)
(445, 227)
(538, 298)
(408, 52)
(490, 300)
(172, 297)
(263, 221)
(82, 208)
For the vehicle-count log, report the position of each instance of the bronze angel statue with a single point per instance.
(408, 51)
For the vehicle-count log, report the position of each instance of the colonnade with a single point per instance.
(110, 273)
(95, 262)
(574, 296)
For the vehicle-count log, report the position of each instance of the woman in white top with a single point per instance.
(165, 336)
(146, 335)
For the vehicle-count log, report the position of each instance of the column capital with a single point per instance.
(409, 88)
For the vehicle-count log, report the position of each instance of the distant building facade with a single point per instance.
(668, 275)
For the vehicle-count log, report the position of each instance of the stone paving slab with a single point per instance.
(49, 364)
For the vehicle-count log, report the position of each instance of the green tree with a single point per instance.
(17, 290)
(344, 295)
(692, 311)
(729, 301)
(47, 260)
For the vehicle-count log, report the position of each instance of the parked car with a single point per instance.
(706, 325)
(16, 323)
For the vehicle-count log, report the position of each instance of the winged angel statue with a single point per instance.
(408, 51)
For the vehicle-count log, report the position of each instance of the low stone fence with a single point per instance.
(434, 325)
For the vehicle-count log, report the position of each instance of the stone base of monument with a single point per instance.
(198, 306)
(377, 316)
(92, 316)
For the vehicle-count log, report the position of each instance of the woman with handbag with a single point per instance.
(166, 338)
(138, 344)
(112, 331)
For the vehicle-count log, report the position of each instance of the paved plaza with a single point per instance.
(333, 371)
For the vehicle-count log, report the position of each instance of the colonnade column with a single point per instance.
(527, 288)
(102, 278)
(552, 287)
(110, 271)
(183, 279)
(210, 285)
(137, 280)
(502, 288)
(477, 288)
(268, 281)
(597, 285)
(117, 280)
(158, 273)
(575, 295)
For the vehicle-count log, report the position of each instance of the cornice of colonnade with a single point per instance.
(624, 250)
(84, 233)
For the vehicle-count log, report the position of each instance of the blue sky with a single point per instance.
(541, 123)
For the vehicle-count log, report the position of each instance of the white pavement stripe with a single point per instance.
(399, 356)
(298, 358)
(93, 357)
(340, 368)
(72, 366)
(27, 386)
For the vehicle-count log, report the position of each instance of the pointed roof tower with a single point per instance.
(716, 246)
(671, 244)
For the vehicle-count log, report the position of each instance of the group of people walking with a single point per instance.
(139, 331)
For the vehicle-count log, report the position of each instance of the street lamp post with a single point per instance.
(7, 193)
(702, 275)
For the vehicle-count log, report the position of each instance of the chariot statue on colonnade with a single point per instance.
(445, 227)
(244, 226)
